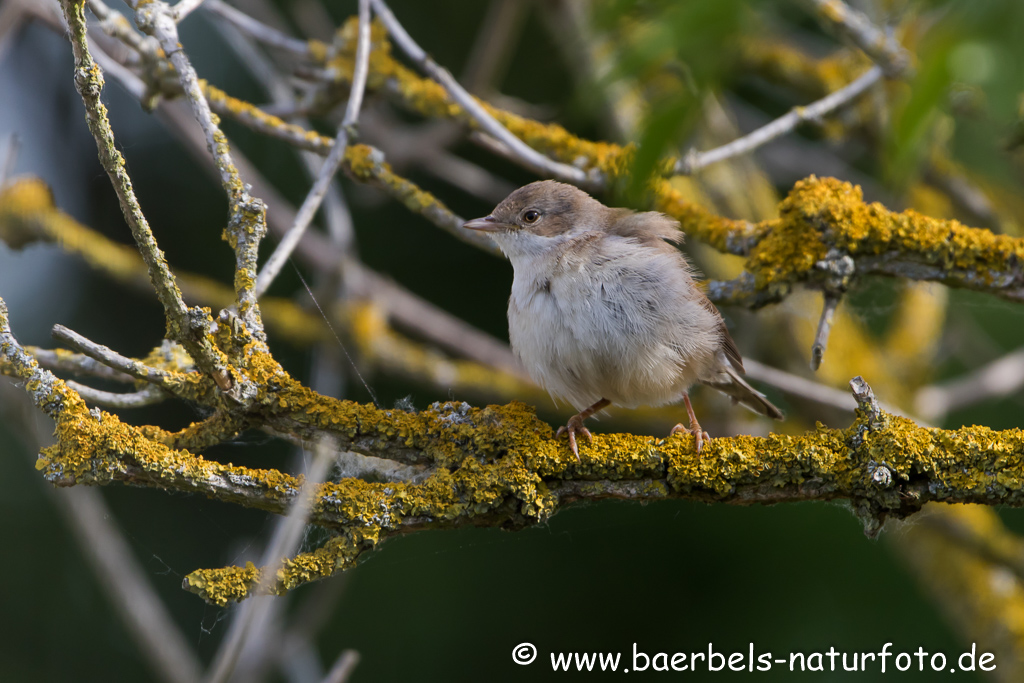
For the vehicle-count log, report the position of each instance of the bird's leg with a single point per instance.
(575, 425)
(699, 434)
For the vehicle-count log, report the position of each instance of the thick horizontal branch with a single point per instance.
(500, 465)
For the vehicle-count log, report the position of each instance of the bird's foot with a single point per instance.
(695, 429)
(573, 427)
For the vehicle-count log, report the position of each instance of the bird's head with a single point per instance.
(538, 216)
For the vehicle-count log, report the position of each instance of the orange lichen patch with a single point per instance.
(231, 584)
(820, 214)
(429, 98)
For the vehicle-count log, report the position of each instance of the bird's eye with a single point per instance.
(531, 216)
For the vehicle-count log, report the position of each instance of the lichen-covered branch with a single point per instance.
(89, 82)
(502, 466)
(247, 224)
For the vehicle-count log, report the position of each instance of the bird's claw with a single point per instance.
(695, 429)
(573, 427)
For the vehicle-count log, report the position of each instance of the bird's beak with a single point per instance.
(486, 224)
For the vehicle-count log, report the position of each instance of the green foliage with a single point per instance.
(672, 53)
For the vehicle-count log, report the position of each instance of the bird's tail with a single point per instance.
(735, 387)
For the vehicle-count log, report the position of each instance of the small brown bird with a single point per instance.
(604, 309)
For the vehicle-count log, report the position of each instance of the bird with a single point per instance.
(605, 309)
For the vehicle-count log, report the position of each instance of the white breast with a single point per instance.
(607, 318)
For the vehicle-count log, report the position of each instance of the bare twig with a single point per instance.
(146, 396)
(994, 542)
(336, 213)
(1001, 377)
(115, 24)
(312, 202)
(185, 8)
(256, 29)
(801, 387)
(112, 358)
(10, 156)
(78, 364)
(828, 313)
(493, 44)
(882, 47)
(472, 107)
(284, 543)
(343, 667)
(694, 160)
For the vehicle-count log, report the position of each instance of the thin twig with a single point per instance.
(146, 396)
(78, 364)
(828, 313)
(802, 387)
(882, 47)
(185, 8)
(9, 158)
(111, 358)
(248, 221)
(284, 543)
(494, 44)
(799, 386)
(472, 107)
(256, 29)
(336, 213)
(996, 543)
(694, 160)
(1002, 377)
(312, 202)
(117, 571)
(343, 667)
(115, 24)
(89, 81)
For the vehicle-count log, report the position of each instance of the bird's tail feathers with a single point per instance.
(735, 387)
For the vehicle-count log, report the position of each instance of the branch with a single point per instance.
(828, 312)
(469, 104)
(112, 359)
(883, 48)
(60, 360)
(338, 148)
(110, 399)
(501, 466)
(181, 321)
(695, 161)
(1002, 377)
(247, 224)
(258, 30)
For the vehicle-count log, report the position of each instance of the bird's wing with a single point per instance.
(728, 344)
